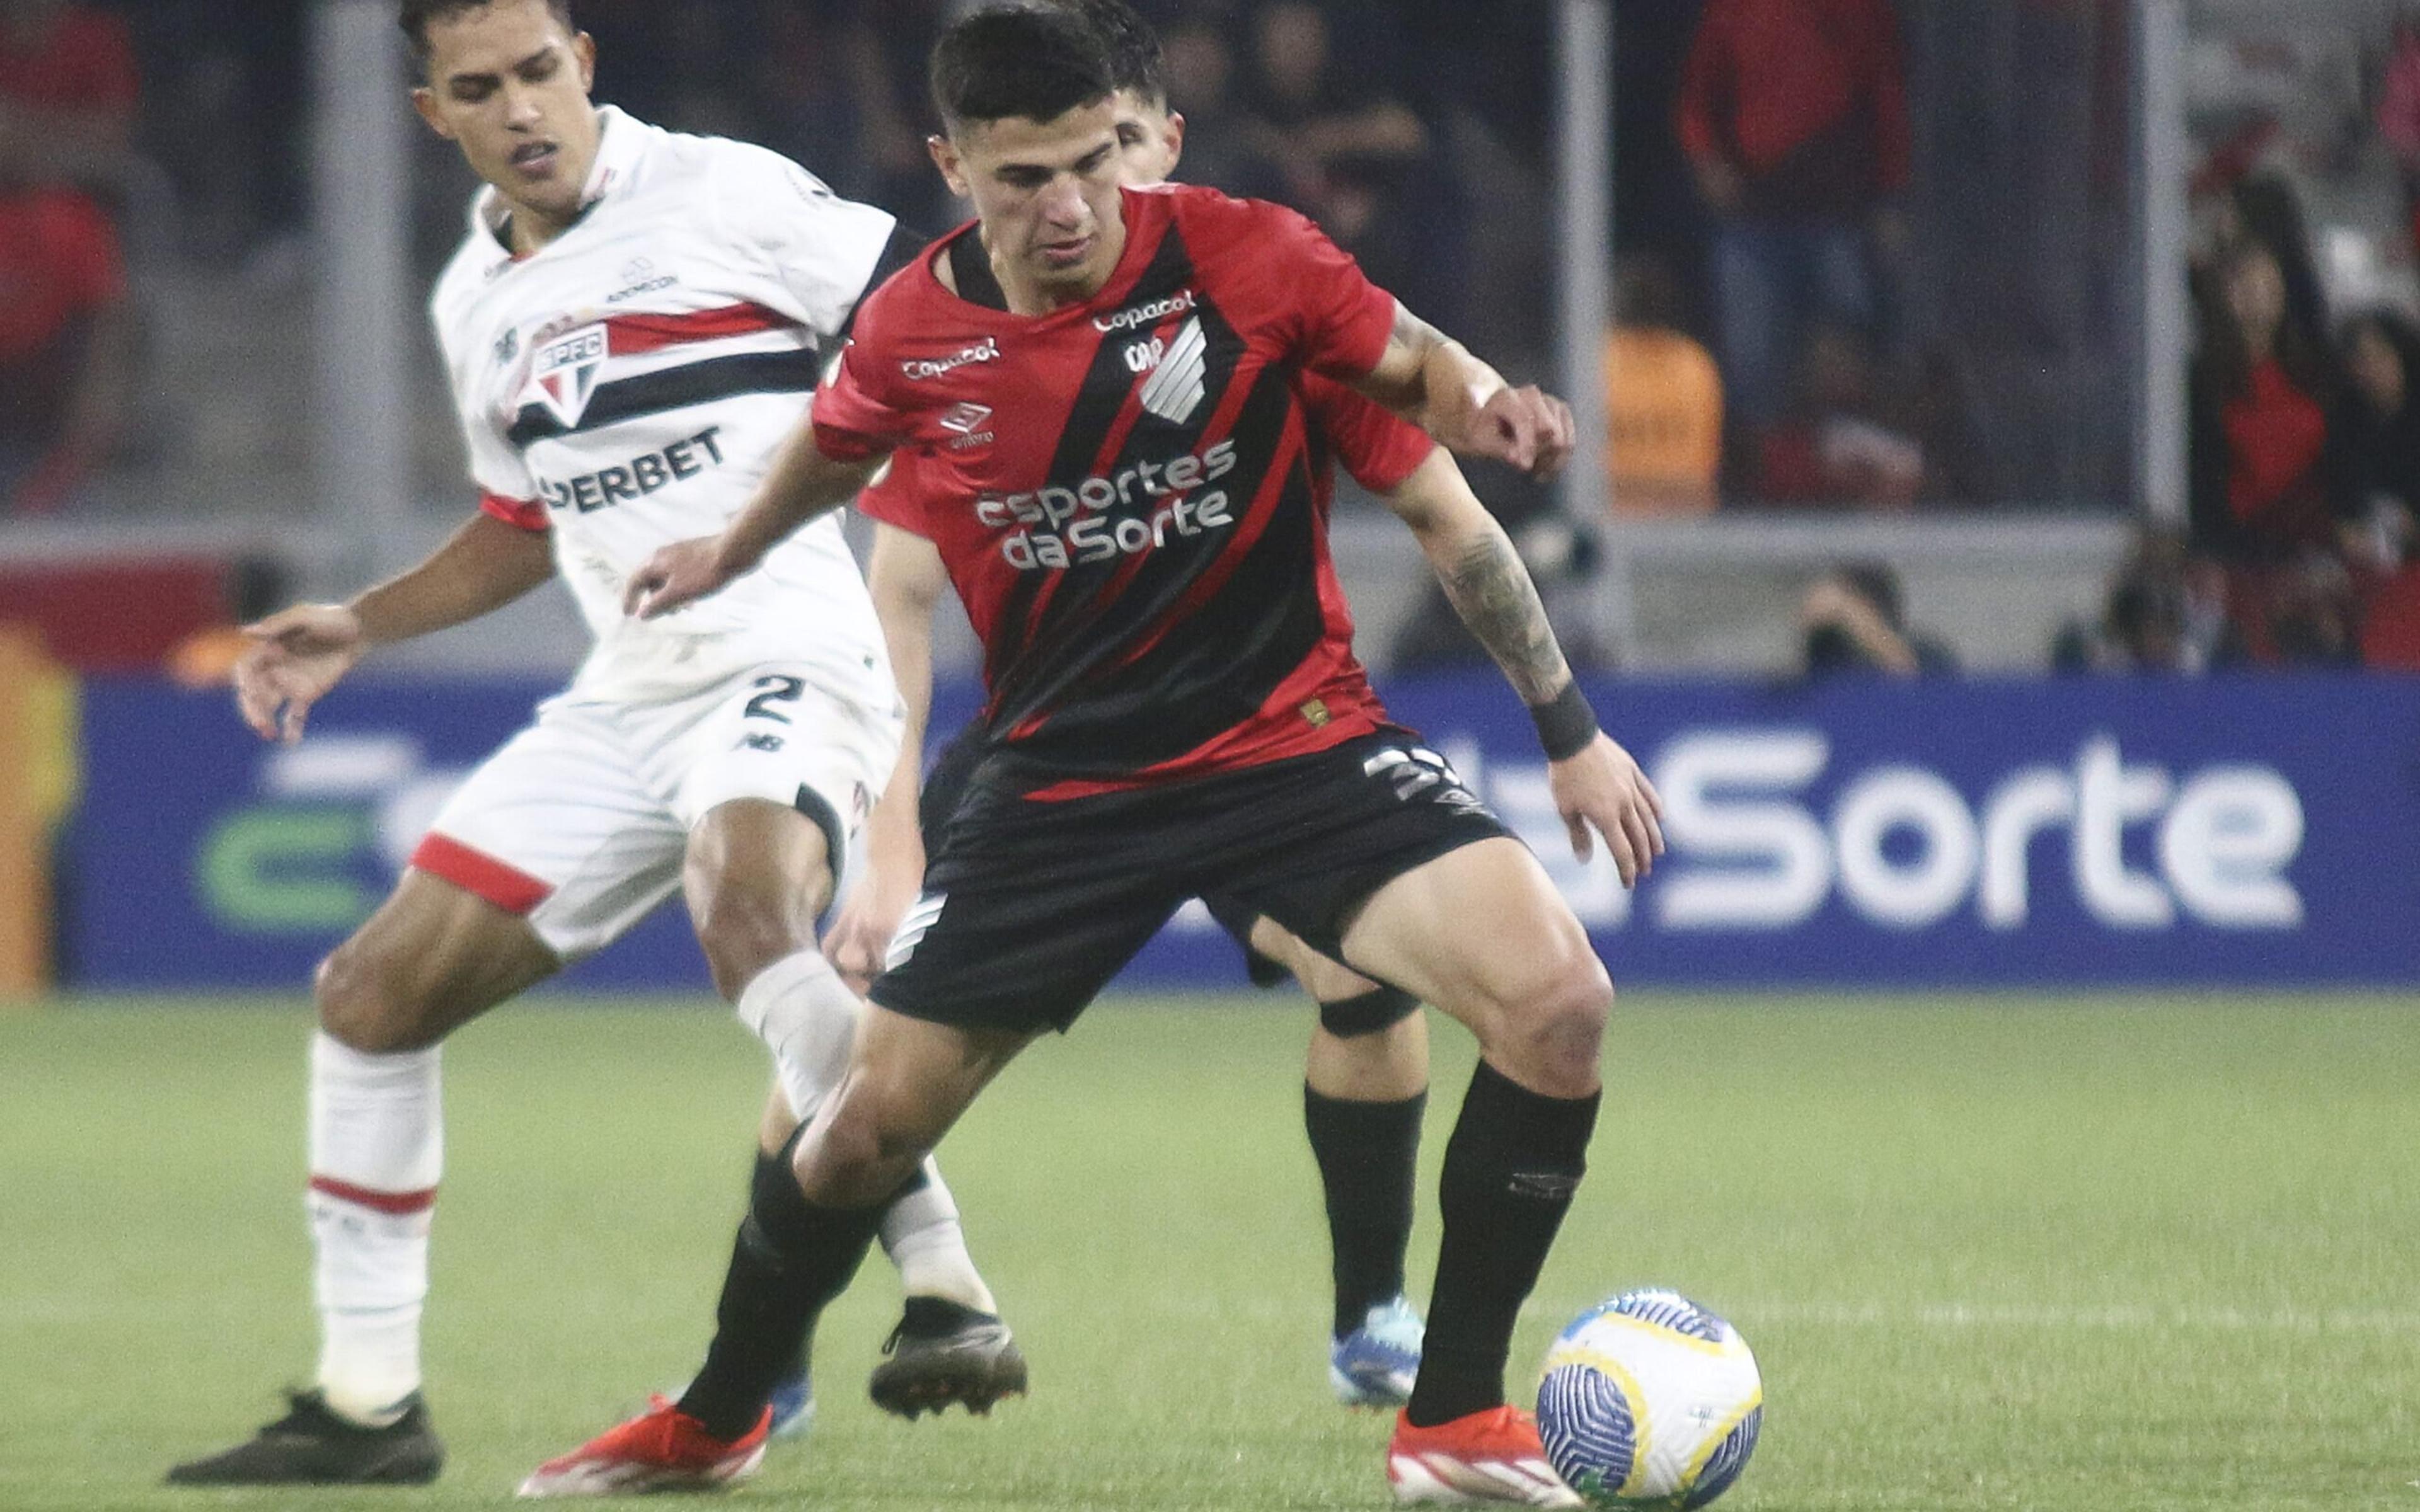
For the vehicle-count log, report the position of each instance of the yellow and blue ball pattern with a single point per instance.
(1649, 1401)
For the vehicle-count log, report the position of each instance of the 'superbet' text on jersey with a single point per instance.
(628, 385)
(1127, 493)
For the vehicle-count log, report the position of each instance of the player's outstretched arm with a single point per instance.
(907, 579)
(1595, 782)
(804, 484)
(297, 655)
(1434, 381)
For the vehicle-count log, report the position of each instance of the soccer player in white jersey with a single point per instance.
(632, 329)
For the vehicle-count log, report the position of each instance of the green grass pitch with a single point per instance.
(1997, 1253)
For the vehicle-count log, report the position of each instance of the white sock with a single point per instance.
(376, 1150)
(921, 1235)
(807, 1016)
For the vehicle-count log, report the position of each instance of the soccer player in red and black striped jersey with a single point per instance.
(1366, 1072)
(1106, 388)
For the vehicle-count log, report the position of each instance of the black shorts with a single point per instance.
(1030, 908)
(1366, 1013)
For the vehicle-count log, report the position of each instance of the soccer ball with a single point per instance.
(1648, 1401)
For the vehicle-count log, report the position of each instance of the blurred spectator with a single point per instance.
(2166, 612)
(68, 91)
(1855, 621)
(1840, 444)
(2377, 504)
(2390, 615)
(66, 342)
(1663, 400)
(883, 46)
(811, 104)
(1793, 113)
(1354, 155)
(1219, 137)
(2259, 398)
(2375, 440)
(2313, 613)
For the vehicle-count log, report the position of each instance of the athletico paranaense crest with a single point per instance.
(563, 372)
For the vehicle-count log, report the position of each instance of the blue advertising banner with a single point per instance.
(2261, 830)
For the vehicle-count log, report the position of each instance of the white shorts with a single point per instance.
(579, 823)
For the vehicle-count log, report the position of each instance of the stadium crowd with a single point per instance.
(1775, 184)
(1796, 321)
(2303, 547)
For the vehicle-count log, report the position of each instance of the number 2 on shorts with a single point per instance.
(777, 689)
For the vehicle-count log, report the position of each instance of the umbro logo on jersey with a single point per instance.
(985, 351)
(1143, 314)
(1175, 388)
(563, 372)
(963, 419)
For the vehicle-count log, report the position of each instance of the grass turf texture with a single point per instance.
(2131, 1254)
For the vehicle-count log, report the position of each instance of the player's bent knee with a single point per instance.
(1549, 1033)
(361, 1008)
(742, 931)
(861, 1153)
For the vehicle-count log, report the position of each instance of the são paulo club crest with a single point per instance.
(563, 372)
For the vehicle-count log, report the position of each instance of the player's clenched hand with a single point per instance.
(677, 575)
(1526, 426)
(1603, 789)
(296, 656)
(860, 937)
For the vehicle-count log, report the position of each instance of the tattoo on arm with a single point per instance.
(1412, 331)
(1490, 590)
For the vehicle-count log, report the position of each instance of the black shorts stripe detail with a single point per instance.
(1046, 901)
(675, 388)
(819, 811)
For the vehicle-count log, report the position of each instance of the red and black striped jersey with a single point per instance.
(1131, 494)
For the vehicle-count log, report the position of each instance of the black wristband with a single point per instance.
(1566, 726)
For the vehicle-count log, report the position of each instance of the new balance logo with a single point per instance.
(1175, 388)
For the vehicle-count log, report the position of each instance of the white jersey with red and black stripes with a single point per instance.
(629, 384)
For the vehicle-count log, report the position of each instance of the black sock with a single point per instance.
(1510, 1168)
(790, 1258)
(1366, 1152)
(773, 1168)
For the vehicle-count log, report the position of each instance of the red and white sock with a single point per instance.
(376, 1150)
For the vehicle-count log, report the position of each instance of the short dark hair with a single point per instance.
(415, 16)
(1017, 60)
(1132, 47)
